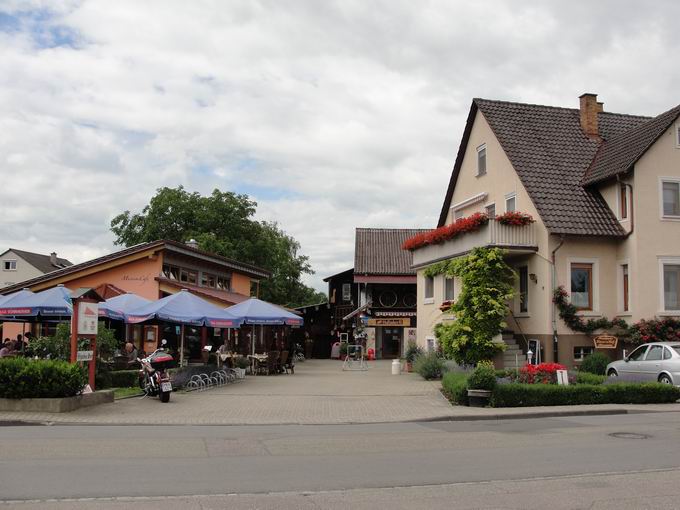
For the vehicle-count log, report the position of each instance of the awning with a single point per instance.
(357, 311)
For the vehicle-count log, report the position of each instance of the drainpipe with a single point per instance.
(554, 307)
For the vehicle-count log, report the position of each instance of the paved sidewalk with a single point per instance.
(319, 393)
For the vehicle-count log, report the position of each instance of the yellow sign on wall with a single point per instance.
(605, 342)
(389, 322)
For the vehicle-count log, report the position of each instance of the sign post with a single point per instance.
(84, 324)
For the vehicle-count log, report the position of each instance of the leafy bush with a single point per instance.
(57, 346)
(124, 378)
(588, 378)
(454, 385)
(241, 362)
(595, 363)
(483, 377)
(429, 366)
(25, 378)
(666, 329)
(525, 395)
(504, 373)
(543, 373)
(413, 350)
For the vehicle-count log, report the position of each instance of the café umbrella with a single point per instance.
(186, 309)
(50, 304)
(116, 307)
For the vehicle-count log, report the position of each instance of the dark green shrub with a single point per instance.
(413, 351)
(504, 373)
(429, 366)
(588, 378)
(25, 378)
(124, 378)
(526, 395)
(595, 363)
(482, 378)
(241, 362)
(454, 386)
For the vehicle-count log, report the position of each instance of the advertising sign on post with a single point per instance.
(88, 316)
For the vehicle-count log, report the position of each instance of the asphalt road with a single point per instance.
(570, 462)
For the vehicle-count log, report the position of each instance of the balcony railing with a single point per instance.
(518, 239)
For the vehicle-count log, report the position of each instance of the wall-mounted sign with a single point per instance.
(389, 322)
(605, 342)
(378, 313)
(88, 316)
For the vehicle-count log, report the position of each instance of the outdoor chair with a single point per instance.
(273, 362)
(261, 366)
(282, 362)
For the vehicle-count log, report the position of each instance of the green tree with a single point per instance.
(223, 223)
(481, 307)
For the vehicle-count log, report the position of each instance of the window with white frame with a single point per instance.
(580, 352)
(677, 136)
(481, 160)
(458, 214)
(510, 202)
(9, 265)
(491, 211)
(431, 343)
(670, 198)
(670, 271)
(429, 287)
(448, 289)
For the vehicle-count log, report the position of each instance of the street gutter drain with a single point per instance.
(629, 435)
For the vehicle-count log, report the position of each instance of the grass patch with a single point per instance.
(126, 392)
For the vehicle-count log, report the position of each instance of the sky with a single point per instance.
(332, 115)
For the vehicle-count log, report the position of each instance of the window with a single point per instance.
(10, 265)
(254, 288)
(671, 287)
(523, 289)
(581, 352)
(638, 354)
(448, 289)
(671, 198)
(208, 280)
(667, 353)
(624, 275)
(458, 215)
(481, 160)
(655, 353)
(429, 287)
(677, 136)
(510, 202)
(188, 276)
(223, 283)
(582, 286)
(491, 211)
(346, 292)
(623, 202)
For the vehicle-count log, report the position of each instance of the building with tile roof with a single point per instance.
(19, 265)
(604, 190)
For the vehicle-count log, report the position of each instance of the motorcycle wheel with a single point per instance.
(164, 396)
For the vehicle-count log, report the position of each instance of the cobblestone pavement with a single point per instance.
(319, 393)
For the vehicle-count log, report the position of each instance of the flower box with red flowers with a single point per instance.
(515, 219)
(447, 232)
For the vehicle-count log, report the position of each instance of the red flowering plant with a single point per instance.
(447, 232)
(655, 330)
(515, 219)
(544, 373)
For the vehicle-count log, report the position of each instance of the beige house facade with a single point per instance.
(20, 265)
(604, 190)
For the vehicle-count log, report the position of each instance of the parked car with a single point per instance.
(658, 361)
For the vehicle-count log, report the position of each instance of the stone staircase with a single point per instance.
(513, 357)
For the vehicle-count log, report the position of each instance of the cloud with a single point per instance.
(332, 115)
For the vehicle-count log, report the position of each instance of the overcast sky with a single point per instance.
(332, 115)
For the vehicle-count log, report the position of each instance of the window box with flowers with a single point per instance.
(515, 219)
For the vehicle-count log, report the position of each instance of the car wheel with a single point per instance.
(664, 379)
(612, 373)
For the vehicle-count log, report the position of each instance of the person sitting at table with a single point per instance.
(222, 352)
(7, 348)
(131, 353)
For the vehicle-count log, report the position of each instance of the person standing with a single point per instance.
(309, 345)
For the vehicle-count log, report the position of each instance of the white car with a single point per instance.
(659, 361)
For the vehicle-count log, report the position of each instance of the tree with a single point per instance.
(223, 223)
(481, 307)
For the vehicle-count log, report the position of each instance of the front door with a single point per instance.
(391, 342)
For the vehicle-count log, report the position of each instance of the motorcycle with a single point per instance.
(298, 353)
(153, 378)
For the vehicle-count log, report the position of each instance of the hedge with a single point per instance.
(26, 378)
(526, 395)
(588, 378)
(124, 378)
(454, 385)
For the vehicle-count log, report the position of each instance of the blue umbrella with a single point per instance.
(50, 303)
(256, 311)
(116, 307)
(184, 308)
(6, 301)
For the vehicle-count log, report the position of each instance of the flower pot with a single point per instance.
(409, 367)
(240, 373)
(479, 398)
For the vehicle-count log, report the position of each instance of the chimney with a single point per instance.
(589, 107)
(192, 243)
(53, 259)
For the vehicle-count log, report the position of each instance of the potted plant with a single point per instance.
(413, 350)
(481, 384)
(240, 365)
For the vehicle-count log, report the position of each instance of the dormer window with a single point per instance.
(481, 160)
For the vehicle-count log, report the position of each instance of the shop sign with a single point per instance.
(389, 322)
(85, 356)
(394, 314)
(88, 316)
(605, 342)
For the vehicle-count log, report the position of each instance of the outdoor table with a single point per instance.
(255, 359)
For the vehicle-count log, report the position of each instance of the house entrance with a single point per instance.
(391, 342)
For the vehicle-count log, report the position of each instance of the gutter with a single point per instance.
(554, 307)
